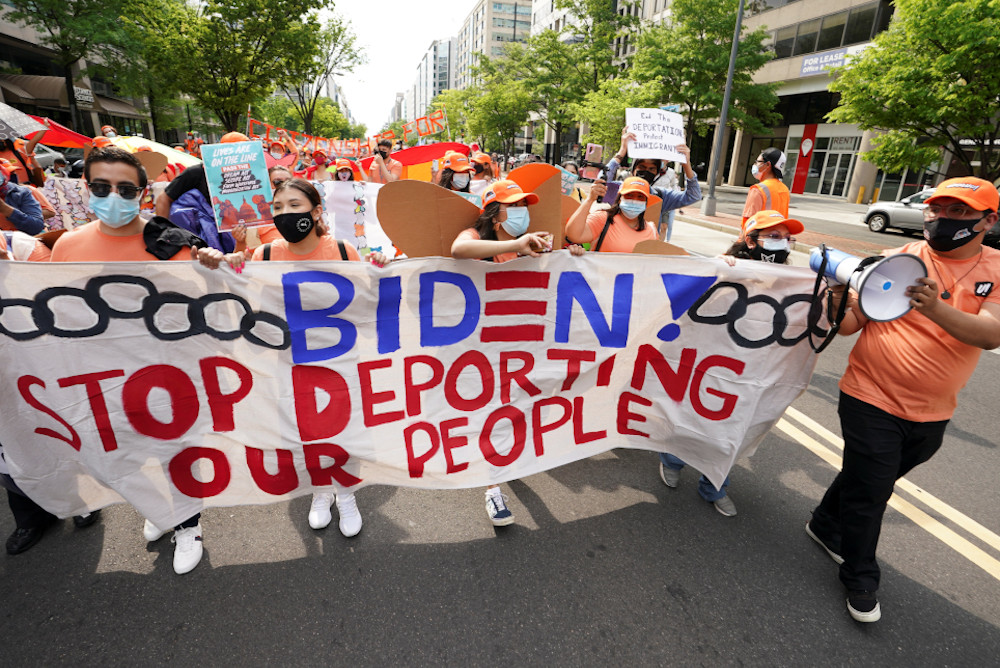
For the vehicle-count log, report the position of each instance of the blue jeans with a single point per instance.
(705, 488)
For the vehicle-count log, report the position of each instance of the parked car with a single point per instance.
(46, 156)
(908, 215)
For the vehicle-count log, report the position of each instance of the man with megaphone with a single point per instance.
(903, 378)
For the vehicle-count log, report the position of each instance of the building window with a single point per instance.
(784, 41)
(832, 34)
(860, 24)
(805, 40)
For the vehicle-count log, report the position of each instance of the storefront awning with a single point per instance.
(46, 91)
(11, 88)
(118, 108)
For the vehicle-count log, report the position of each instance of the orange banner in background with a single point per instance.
(354, 148)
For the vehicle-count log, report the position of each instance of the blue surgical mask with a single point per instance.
(632, 207)
(113, 210)
(517, 221)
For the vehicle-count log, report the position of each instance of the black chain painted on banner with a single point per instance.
(741, 304)
(90, 295)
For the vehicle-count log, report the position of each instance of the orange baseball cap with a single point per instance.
(482, 158)
(143, 148)
(457, 162)
(5, 167)
(980, 194)
(101, 142)
(769, 218)
(506, 192)
(343, 163)
(636, 184)
(233, 137)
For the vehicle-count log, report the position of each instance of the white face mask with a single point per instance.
(771, 245)
(755, 171)
(460, 181)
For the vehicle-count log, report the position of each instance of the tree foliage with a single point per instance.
(930, 81)
(328, 121)
(604, 109)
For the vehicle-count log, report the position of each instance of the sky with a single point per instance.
(395, 35)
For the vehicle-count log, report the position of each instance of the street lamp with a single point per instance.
(708, 204)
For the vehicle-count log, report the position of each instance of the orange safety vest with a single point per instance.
(775, 194)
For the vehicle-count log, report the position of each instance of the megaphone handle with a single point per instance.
(841, 310)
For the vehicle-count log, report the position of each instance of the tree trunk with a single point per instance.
(76, 121)
(557, 149)
(229, 119)
(151, 98)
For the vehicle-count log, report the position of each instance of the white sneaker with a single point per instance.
(151, 532)
(319, 512)
(187, 550)
(496, 508)
(350, 516)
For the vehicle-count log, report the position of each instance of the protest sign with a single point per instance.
(350, 207)
(69, 198)
(238, 182)
(177, 388)
(657, 134)
(568, 181)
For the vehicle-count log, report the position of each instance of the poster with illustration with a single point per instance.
(238, 184)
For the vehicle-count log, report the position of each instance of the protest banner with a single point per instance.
(238, 182)
(69, 198)
(351, 208)
(657, 134)
(176, 388)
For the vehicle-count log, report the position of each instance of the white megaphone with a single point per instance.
(881, 283)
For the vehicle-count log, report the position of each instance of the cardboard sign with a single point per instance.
(657, 134)
(545, 181)
(177, 388)
(656, 247)
(239, 184)
(423, 219)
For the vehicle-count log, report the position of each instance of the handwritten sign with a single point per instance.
(238, 183)
(657, 133)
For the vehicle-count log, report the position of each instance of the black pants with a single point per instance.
(879, 448)
(27, 513)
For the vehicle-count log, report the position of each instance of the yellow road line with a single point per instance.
(937, 505)
(956, 542)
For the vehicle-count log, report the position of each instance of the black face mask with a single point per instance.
(777, 257)
(384, 154)
(294, 227)
(945, 234)
(646, 175)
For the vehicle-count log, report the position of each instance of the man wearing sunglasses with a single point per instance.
(903, 377)
(19, 210)
(117, 181)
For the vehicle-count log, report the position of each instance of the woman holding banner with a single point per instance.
(298, 217)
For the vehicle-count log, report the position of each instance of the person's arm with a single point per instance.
(162, 205)
(981, 330)
(29, 147)
(622, 151)
(531, 244)
(577, 229)
(754, 203)
(396, 172)
(24, 212)
(854, 320)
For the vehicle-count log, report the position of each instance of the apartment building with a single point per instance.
(435, 73)
(489, 26)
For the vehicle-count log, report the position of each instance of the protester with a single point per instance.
(345, 170)
(903, 377)
(649, 169)
(19, 165)
(298, 216)
(668, 182)
(571, 166)
(19, 210)
(619, 228)
(482, 164)
(456, 172)
(121, 235)
(501, 234)
(59, 168)
(317, 170)
(770, 193)
(383, 168)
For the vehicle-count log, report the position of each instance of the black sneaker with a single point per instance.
(822, 543)
(863, 606)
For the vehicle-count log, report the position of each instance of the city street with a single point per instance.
(604, 565)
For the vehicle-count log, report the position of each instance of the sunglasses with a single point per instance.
(126, 190)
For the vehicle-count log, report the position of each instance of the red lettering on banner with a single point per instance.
(579, 435)
(185, 481)
(625, 415)
(415, 463)
(412, 390)
(520, 429)
(449, 443)
(573, 359)
(281, 482)
(435, 119)
(323, 476)
(370, 398)
(98, 407)
(479, 361)
(24, 385)
(315, 424)
(183, 401)
(675, 383)
(538, 428)
(519, 376)
(221, 404)
(728, 400)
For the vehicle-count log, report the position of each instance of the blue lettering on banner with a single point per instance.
(820, 62)
(431, 335)
(573, 287)
(683, 291)
(390, 297)
(301, 320)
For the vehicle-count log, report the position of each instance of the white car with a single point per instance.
(908, 215)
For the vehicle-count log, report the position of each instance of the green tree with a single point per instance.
(604, 109)
(338, 54)
(682, 62)
(930, 81)
(497, 114)
(456, 102)
(238, 51)
(74, 30)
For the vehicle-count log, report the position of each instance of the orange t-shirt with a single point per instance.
(326, 250)
(621, 237)
(472, 235)
(395, 168)
(268, 233)
(89, 244)
(16, 166)
(910, 367)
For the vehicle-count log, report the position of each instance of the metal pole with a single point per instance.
(708, 204)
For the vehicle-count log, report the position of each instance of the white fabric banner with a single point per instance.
(175, 388)
(350, 207)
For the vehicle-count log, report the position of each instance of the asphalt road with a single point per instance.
(605, 565)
